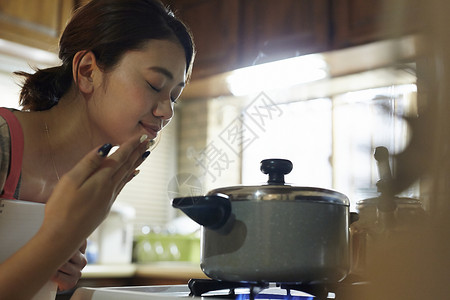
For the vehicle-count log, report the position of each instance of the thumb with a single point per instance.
(88, 164)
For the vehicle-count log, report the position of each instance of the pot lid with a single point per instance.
(276, 189)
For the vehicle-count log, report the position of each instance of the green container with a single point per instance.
(154, 247)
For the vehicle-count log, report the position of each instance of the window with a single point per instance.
(302, 134)
(363, 121)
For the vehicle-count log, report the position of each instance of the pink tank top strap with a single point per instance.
(17, 142)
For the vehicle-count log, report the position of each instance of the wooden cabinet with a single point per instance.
(356, 22)
(34, 23)
(238, 33)
(272, 30)
(215, 26)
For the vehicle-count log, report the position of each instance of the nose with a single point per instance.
(164, 110)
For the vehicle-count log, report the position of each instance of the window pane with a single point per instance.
(363, 121)
(301, 134)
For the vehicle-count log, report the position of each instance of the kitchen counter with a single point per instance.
(140, 274)
(109, 271)
(170, 270)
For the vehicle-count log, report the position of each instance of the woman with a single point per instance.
(124, 64)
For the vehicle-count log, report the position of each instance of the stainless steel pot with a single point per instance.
(274, 232)
(381, 218)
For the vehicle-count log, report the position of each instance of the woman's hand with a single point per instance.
(69, 273)
(84, 195)
(100, 178)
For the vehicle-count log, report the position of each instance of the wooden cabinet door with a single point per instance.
(34, 23)
(271, 30)
(214, 24)
(356, 22)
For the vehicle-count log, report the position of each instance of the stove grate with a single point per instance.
(199, 287)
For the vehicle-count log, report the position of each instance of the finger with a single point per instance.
(127, 179)
(78, 260)
(134, 171)
(66, 281)
(128, 174)
(115, 168)
(69, 269)
(125, 153)
(88, 164)
(128, 160)
(94, 159)
(74, 265)
(83, 247)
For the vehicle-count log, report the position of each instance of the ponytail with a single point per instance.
(44, 88)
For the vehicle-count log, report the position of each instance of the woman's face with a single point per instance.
(138, 95)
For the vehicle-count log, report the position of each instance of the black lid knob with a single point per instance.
(276, 168)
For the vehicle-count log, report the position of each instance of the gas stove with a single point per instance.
(207, 289)
(166, 292)
(256, 290)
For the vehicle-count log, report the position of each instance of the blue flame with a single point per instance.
(273, 297)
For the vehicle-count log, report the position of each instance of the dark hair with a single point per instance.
(108, 28)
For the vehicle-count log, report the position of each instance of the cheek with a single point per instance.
(133, 97)
(127, 90)
(122, 106)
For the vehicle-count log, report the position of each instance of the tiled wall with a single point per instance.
(192, 134)
(202, 149)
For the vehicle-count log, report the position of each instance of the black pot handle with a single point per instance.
(209, 211)
(276, 169)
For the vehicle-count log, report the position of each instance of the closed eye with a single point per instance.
(154, 88)
(173, 99)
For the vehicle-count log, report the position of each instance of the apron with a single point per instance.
(16, 135)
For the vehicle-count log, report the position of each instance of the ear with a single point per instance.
(84, 66)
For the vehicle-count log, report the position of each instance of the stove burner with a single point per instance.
(318, 290)
(199, 287)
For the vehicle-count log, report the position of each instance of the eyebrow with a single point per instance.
(165, 72)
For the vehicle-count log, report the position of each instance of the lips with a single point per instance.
(151, 129)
